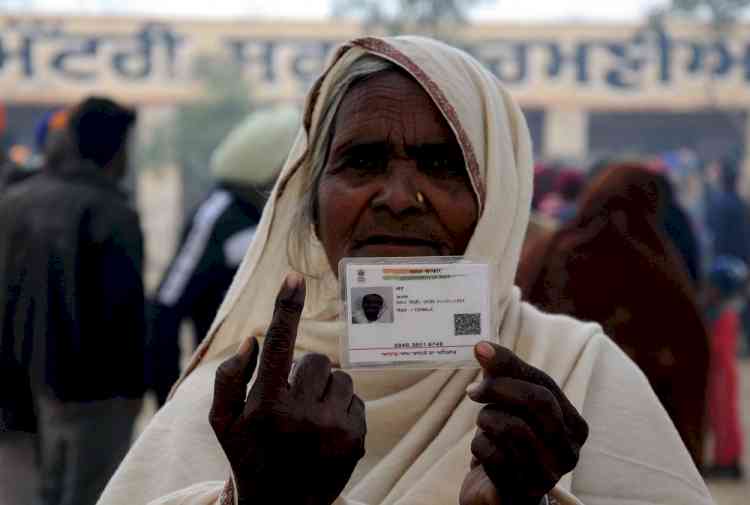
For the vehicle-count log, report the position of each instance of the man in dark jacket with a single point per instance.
(72, 321)
(729, 216)
(217, 236)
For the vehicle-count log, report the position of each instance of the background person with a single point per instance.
(71, 255)
(560, 203)
(614, 264)
(46, 139)
(727, 283)
(728, 222)
(728, 215)
(19, 478)
(216, 237)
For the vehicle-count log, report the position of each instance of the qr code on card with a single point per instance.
(467, 324)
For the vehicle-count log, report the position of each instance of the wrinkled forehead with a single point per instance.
(389, 106)
(434, 82)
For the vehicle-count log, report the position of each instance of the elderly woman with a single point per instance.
(410, 148)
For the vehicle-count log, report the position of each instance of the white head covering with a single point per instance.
(255, 150)
(496, 145)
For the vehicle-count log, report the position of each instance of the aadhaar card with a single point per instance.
(413, 312)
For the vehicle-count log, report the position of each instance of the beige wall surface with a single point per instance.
(149, 61)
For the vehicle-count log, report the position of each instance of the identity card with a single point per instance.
(413, 312)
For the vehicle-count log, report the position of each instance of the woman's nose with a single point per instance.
(398, 191)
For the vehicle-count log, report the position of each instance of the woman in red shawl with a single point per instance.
(612, 264)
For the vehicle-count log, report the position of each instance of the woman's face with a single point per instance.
(390, 143)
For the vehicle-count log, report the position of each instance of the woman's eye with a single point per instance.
(442, 167)
(438, 164)
(357, 164)
(362, 163)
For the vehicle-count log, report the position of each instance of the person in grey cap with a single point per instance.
(216, 236)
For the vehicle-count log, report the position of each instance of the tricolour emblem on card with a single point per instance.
(415, 312)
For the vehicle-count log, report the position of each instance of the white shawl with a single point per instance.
(420, 423)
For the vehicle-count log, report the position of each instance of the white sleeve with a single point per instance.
(634, 455)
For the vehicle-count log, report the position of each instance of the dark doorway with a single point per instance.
(710, 133)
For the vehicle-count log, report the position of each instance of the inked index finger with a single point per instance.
(278, 347)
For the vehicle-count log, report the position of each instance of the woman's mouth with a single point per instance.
(392, 246)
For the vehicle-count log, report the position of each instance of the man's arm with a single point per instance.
(190, 275)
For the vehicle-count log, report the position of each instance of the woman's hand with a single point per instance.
(529, 434)
(287, 443)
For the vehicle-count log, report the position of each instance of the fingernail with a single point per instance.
(245, 346)
(471, 389)
(484, 351)
(295, 283)
(293, 280)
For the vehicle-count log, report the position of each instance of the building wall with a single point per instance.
(146, 60)
(574, 73)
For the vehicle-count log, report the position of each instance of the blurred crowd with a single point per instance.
(608, 241)
(73, 307)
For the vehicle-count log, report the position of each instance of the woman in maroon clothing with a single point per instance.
(612, 264)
